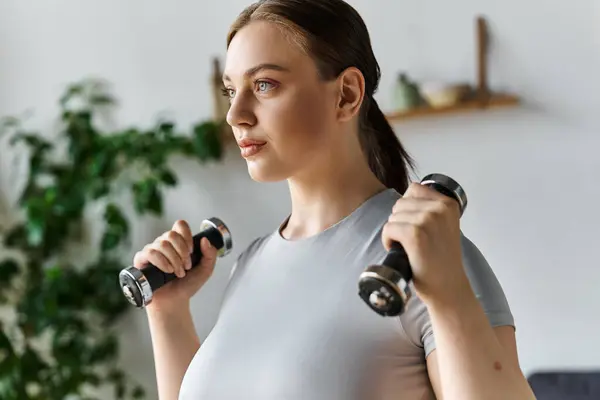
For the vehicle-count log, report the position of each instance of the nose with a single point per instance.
(241, 113)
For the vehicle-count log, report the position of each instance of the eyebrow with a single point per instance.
(260, 67)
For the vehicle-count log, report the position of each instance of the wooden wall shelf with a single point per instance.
(495, 101)
(480, 98)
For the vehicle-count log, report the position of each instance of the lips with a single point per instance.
(246, 142)
(250, 147)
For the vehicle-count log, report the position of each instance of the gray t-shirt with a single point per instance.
(292, 326)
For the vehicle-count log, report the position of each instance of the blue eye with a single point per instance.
(228, 92)
(264, 86)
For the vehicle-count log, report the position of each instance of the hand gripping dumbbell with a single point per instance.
(385, 287)
(138, 285)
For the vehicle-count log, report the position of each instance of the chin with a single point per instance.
(261, 171)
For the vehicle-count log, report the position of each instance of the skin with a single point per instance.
(174, 337)
(310, 127)
(310, 130)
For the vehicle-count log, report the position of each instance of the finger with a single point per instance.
(205, 269)
(414, 217)
(418, 190)
(412, 204)
(168, 251)
(209, 253)
(140, 258)
(402, 232)
(156, 258)
(182, 248)
(183, 228)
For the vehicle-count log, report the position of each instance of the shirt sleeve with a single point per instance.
(416, 322)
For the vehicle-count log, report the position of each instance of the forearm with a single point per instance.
(174, 343)
(472, 362)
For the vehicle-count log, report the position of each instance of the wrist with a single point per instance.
(172, 321)
(167, 313)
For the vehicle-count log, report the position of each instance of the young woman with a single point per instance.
(301, 75)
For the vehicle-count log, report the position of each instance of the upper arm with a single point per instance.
(506, 337)
(416, 322)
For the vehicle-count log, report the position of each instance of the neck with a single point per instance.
(323, 196)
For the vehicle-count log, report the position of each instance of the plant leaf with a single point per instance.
(72, 308)
(9, 268)
(168, 177)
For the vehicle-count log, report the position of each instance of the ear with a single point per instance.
(351, 91)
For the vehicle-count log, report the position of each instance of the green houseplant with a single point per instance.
(60, 340)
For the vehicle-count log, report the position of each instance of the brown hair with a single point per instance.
(335, 36)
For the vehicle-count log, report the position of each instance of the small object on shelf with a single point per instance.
(440, 95)
(496, 100)
(457, 98)
(406, 93)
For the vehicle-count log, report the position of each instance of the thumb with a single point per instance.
(199, 274)
(209, 254)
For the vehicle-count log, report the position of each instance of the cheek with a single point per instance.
(299, 120)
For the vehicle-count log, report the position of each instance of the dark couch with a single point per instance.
(569, 385)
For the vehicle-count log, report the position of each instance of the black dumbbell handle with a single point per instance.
(397, 259)
(157, 278)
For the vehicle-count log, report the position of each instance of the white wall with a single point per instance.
(529, 172)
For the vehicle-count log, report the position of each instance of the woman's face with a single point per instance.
(282, 114)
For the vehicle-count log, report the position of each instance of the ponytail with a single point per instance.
(386, 156)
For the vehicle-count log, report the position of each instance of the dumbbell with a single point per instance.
(138, 285)
(385, 287)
